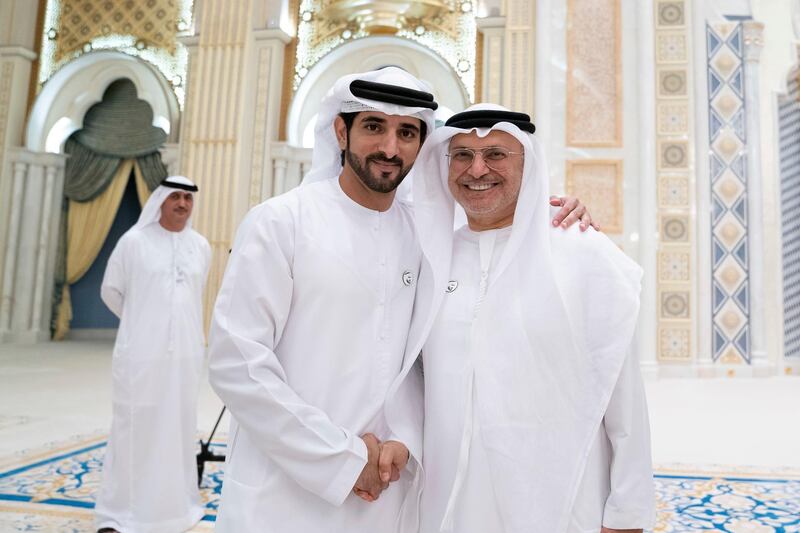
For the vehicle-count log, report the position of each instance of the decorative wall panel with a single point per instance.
(594, 73)
(730, 295)
(672, 117)
(674, 228)
(147, 29)
(671, 83)
(675, 166)
(674, 304)
(671, 47)
(674, 342)
(789, 121)
(154, 22)
(599, 184)
(519, 56)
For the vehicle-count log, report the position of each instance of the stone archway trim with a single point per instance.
(63, 101)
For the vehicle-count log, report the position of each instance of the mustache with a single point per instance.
(380, 157)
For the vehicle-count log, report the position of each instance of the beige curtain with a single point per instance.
(142, 191)
(88, 224)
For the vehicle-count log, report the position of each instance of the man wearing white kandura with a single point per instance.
(535, 416)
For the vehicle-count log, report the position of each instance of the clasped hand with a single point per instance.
(385, 461)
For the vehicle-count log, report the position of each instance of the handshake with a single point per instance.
(385, 461)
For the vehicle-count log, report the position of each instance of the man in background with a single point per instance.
(154, 283)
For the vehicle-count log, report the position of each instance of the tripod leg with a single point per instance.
(201, 464)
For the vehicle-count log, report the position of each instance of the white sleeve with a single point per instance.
(251, 311)
(112, 290)
(631, 502)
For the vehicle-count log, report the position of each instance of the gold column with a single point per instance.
(213, 130)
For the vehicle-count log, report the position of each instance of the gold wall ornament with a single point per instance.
(383, 16)
(147, 29)
(153, 22)
(594, 73)
(446, 27)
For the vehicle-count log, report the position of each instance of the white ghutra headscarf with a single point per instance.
(151, 212)
(326, 159)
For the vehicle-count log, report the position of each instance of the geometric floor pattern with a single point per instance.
(736, 504)
(53, 491)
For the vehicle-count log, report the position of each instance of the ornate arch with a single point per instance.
(63, 101)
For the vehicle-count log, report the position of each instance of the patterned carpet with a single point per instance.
(53, 490)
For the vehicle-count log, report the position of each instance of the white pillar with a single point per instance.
(279, 179)
(12, 246)
(753, 43)
(702, 284)
(41, 297)
(15, 72)
(267, 85)
(28, 276)
(647, 333)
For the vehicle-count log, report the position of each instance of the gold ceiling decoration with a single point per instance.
(147, 29)
(153, 22)
(447, 27)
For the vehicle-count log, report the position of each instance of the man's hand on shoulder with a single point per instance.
(572, 210)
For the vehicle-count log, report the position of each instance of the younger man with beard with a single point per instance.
(311, 322)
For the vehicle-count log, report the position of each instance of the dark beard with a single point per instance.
(382, 185)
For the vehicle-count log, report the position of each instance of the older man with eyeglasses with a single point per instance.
(535, 416)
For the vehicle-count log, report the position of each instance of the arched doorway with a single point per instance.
(58, 114)
(114, 153)
(64, 100)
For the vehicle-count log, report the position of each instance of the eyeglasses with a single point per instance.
(496, 158)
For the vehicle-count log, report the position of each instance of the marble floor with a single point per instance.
(55, 394)
(54, 391)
